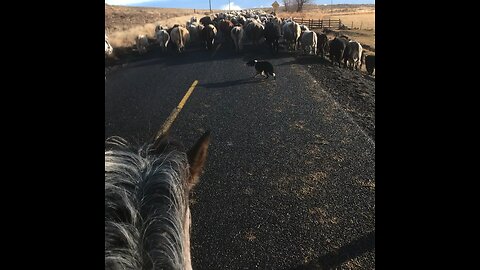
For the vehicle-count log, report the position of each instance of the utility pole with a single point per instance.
(210, 2)
(331, 8)
(228, 5)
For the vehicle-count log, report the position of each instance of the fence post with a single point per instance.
(361, 23)
(329, 23)
(352, 25)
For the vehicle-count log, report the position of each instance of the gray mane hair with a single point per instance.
(146, 200)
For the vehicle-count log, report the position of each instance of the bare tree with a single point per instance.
(300, 4)
(287, 3)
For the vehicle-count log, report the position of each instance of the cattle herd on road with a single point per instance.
(257, 28)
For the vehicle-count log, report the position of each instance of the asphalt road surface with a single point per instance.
(290, 177)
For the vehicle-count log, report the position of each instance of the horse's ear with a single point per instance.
(197, 156)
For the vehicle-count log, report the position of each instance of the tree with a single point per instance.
(287, 3)
(300, 4)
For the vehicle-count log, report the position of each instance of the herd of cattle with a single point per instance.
(256, 26)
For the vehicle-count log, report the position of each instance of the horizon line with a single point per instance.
(133, 5)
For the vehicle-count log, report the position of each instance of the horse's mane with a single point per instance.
(145, 204)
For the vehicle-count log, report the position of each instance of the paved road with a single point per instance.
(290, 178)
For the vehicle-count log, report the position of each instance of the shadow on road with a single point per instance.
(334, 259)
(249, 80)
(307, 60)
(195, 53)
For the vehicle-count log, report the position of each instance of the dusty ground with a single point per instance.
(353, 90)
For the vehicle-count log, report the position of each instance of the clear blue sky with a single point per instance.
(219, 4)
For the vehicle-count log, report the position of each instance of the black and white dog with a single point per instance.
(262, 67)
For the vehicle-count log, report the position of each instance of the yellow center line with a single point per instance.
(187, 95)
(173, 115)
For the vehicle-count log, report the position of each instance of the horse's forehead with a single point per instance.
(176, 145)
(166, 146)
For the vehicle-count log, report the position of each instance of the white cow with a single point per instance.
(108, 47)
(304, 28)
(163, 38)
(309, 41)
(237, 36)
(291, 34)
(160, 27)
(142, 43)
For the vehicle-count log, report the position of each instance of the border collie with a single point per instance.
(262, 67)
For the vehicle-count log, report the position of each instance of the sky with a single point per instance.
(219, 4)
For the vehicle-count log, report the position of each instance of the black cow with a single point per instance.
(337, 49)
(254, 32)
(272, 34)
(206, 20)
(322, 44)
(208, 36)
(225, 27)
(370, 63)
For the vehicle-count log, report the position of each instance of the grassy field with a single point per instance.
(360, 15)
(123, 24)
(357, 21)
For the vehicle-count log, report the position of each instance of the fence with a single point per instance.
(312, 24)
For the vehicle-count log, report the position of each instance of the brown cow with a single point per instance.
(225, 27)
(180, 36)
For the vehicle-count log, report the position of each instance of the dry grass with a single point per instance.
(125, 23)
(127, 38)
(121, 18)
(360, 15)
(357, 21)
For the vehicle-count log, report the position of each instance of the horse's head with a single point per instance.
(197, 155)
(147, 214)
